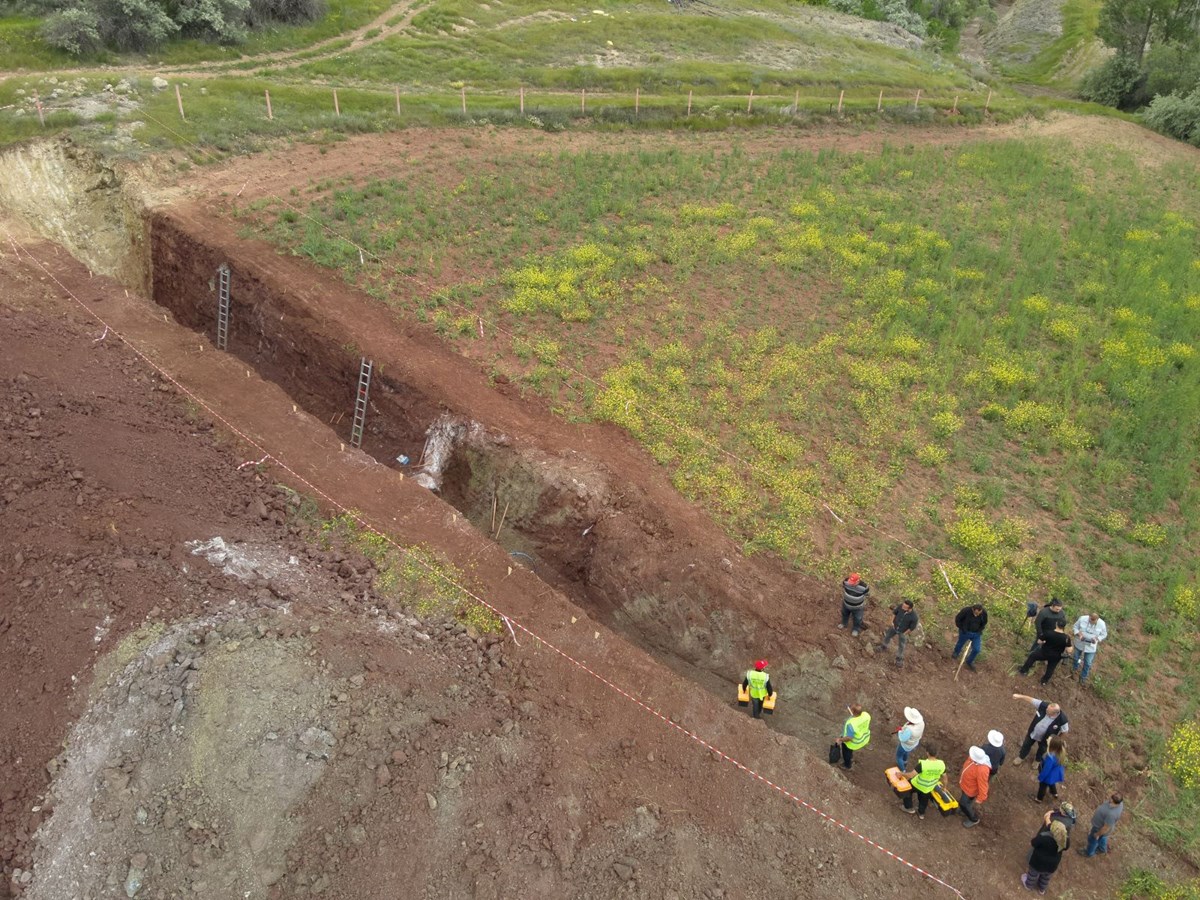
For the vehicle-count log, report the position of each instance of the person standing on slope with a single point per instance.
(994, 748)
(908, 736)
(974, 784)
(758, 684)
(924, 777)
(856, 734)
(971, 620)
(1048, 720)
(904, 622)
(854, 601)
(1090, 630)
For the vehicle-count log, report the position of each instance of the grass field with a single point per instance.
(893, 337)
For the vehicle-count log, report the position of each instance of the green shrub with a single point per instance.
(1119, 82)
(1176, 116)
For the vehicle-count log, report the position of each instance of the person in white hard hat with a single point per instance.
(994, 748)
(974, 785)
(908, 736)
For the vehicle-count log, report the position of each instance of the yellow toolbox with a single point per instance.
(896, 779)
(769, 704)
(743, 695)
(944, 800)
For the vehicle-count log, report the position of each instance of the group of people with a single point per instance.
(918, 759)
(1051, 644)
(981, 767)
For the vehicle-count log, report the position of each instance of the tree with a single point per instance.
(1129, 26)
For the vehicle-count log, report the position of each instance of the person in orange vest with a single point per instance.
(974, 784)
(758, 683)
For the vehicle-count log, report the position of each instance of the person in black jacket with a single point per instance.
(971, 620)
(994, 748)
(904, 621)
(1047, 617)
(1051, 649)
(1049, 844)
(1048, 720)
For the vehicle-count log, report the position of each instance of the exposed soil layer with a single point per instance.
(468, 765)
(626, 547)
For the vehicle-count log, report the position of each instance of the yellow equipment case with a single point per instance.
(944, 799)
(768, 702)
(897, 780)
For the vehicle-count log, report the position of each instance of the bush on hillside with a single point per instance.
(1176, 115)
(75, 30)
(894, 11)
(1119, 82)
(84, 27)
(1172, 70)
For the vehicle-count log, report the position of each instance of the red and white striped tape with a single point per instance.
(508, 619)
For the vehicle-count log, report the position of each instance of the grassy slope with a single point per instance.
(1069, 57)
(892, 335)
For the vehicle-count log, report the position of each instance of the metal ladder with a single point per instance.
(360, 403)
(223, 307)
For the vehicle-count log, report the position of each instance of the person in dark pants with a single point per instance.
(758, 683)
(854, 602)
(971, 620)
(1051, 649)
(1047, 617)
(974, 784)
(924, 777)
(904, 621)
(1048, 845)
(856, 734)
(1051, 772)
(994, 748)
(1048, 720)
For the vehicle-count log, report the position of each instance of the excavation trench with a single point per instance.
(577, 525)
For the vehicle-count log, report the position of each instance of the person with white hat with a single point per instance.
(974, 784)
(908, 736)
(994, 748)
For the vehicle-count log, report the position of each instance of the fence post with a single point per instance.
(955, 110)
(689, 112)
(796, 104)
(397, 99)
(522, 101)
(464, 99)
(583, 101)
(917, 99)
(41, 115)
(750, 101)
(841, 97)
(879, 104)
(637, 102)
(179, 100)
(270, 115)
(988, 105)
(337, 109)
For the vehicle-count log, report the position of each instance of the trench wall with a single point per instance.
(594, 536)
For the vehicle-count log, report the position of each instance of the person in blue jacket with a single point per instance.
(1051, 772)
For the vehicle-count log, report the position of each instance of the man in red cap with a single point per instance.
(758, 683)
(854, 602)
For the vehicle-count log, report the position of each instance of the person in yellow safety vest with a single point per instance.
(758, 683)
(925, 776)
(856, 734)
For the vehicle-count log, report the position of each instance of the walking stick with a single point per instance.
(966, 652)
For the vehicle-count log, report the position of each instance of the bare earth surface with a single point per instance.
(249, 718)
